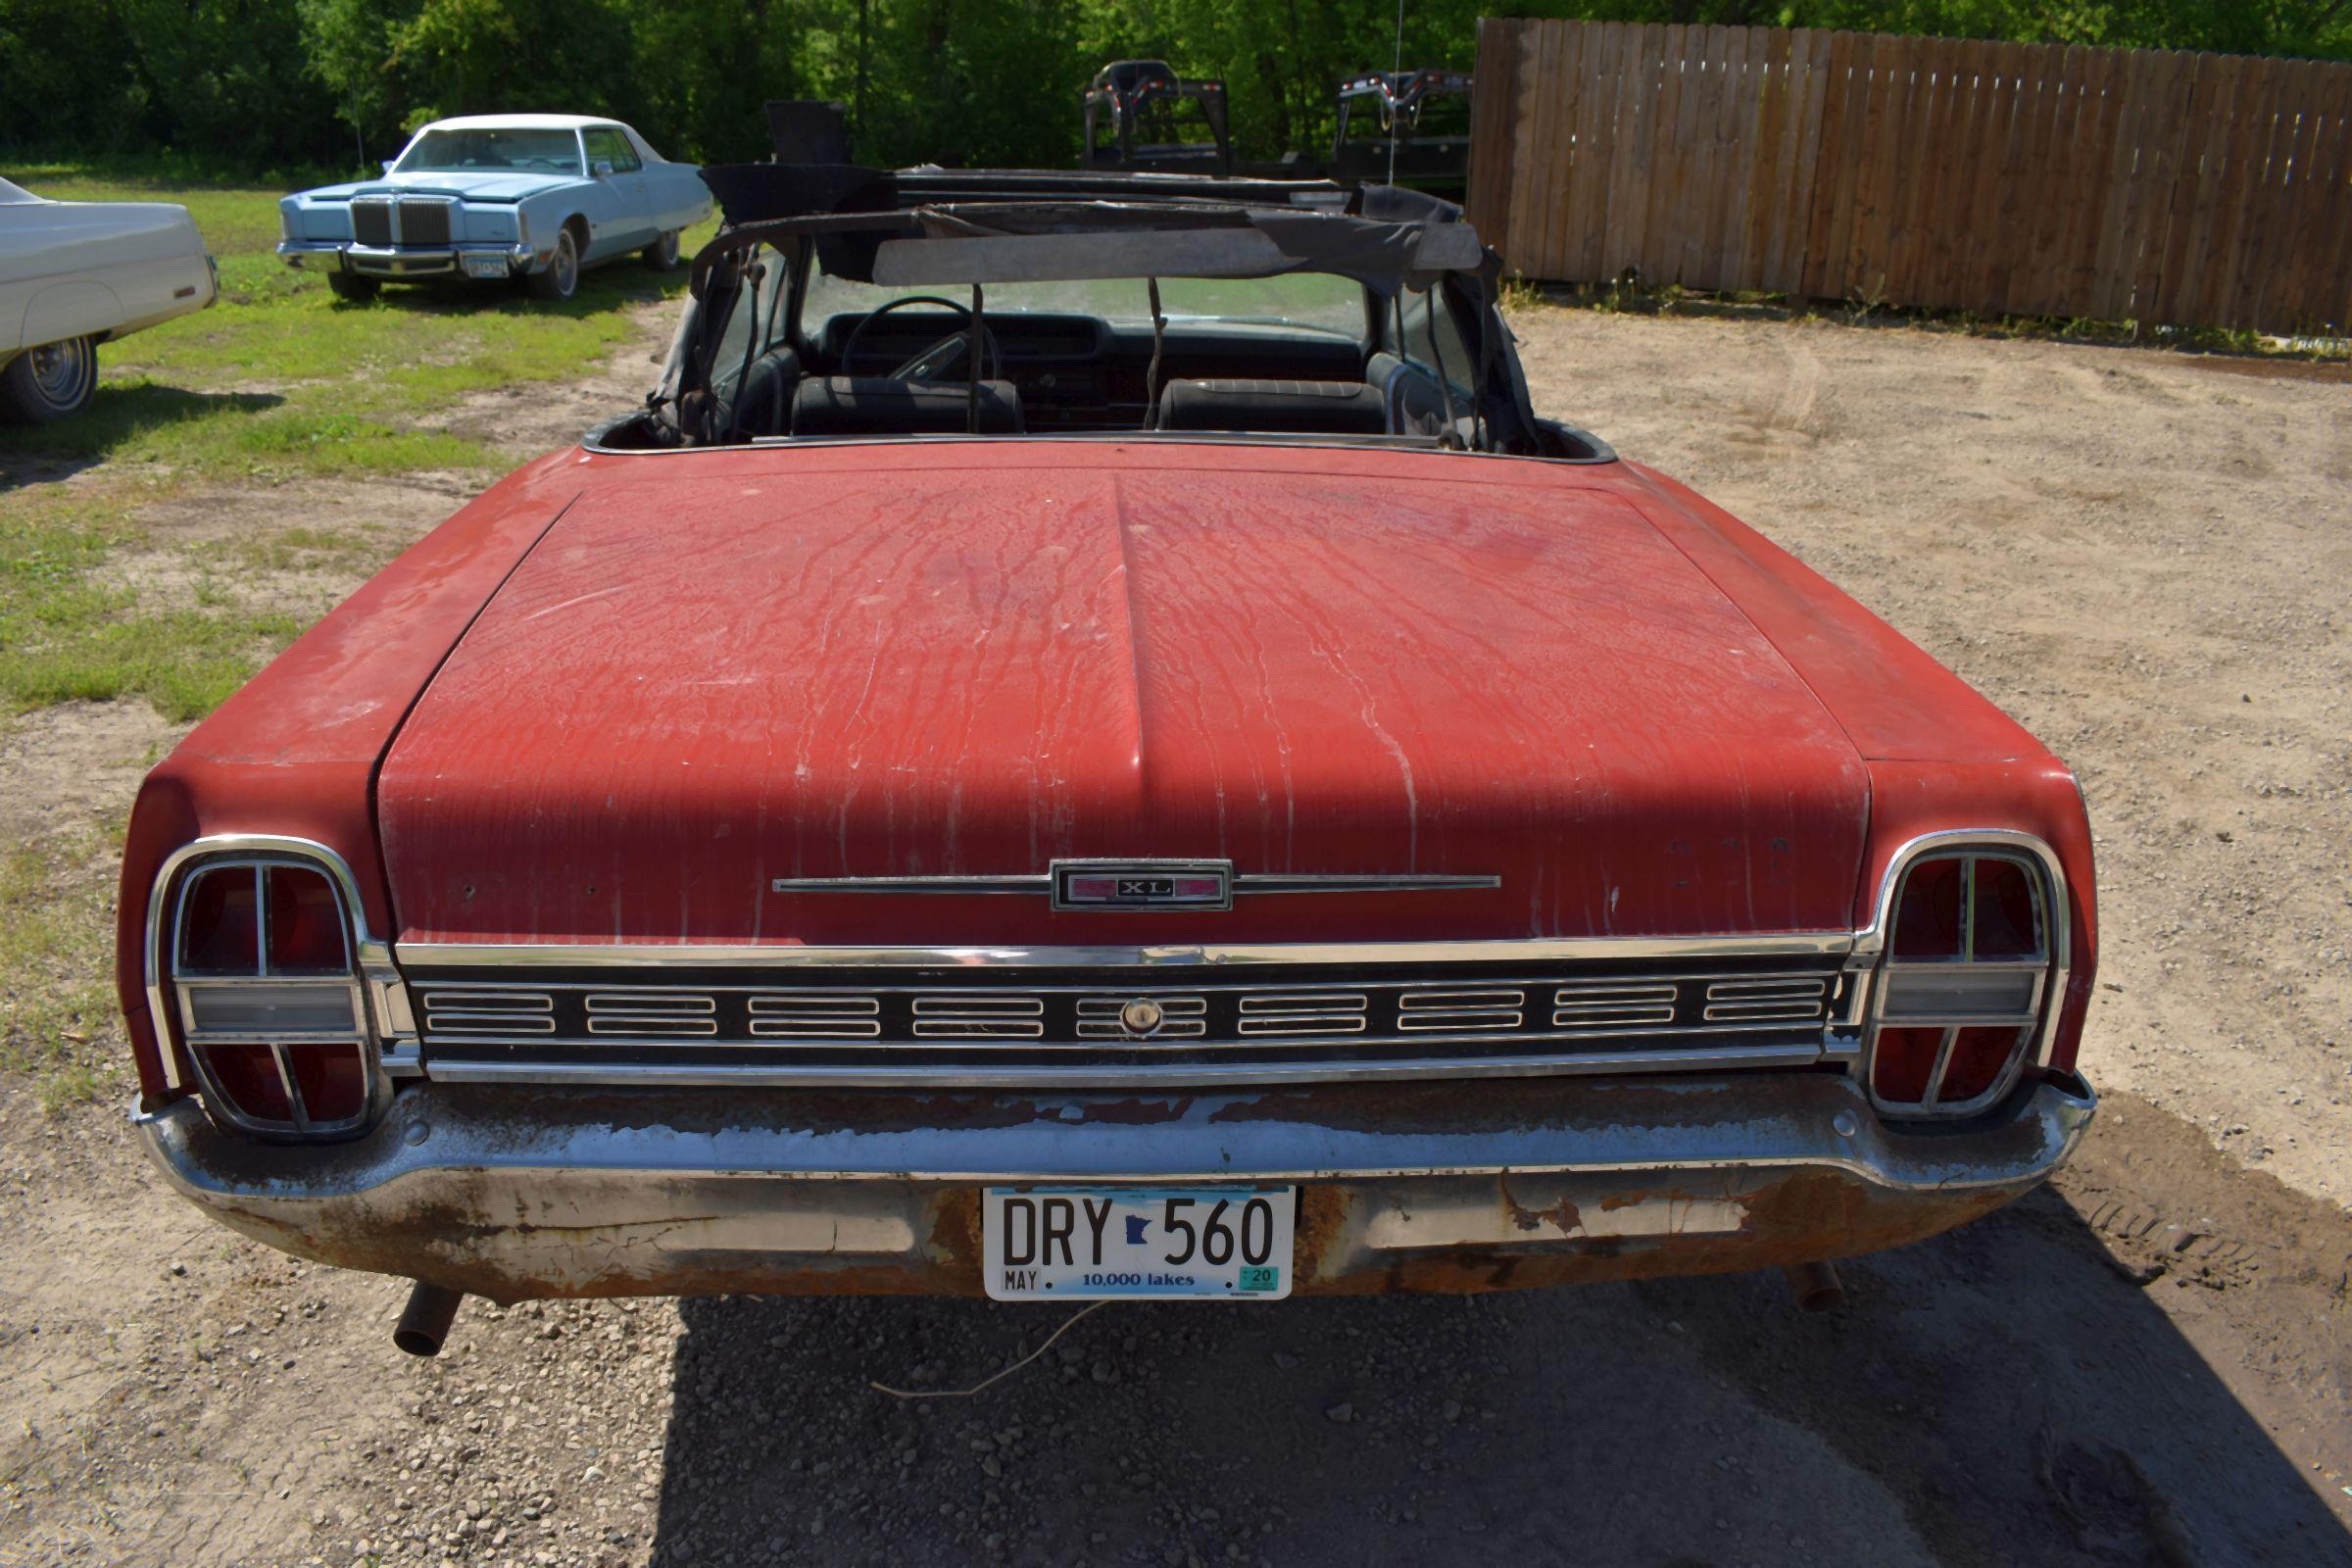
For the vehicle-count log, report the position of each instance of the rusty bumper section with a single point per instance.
(1420, 1187)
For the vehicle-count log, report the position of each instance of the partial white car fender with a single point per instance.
(75, 274)
(82, 308)
(100, 270)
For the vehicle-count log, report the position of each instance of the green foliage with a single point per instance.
(293, 83)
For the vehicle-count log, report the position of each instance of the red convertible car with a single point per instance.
(1088, 741)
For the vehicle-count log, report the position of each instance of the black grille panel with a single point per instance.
(372, 222)
(423, 222)
(1033, 1023)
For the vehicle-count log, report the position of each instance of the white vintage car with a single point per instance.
(75, 274)
(496, 197)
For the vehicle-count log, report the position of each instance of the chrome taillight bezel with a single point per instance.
(2036, 1025)
(380, 1025)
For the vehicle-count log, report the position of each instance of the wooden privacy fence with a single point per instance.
(2186, 189)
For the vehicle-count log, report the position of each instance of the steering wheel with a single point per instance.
(921, 364)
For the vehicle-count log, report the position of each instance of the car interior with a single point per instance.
(775, 348)
(899, 368)
(889, 374)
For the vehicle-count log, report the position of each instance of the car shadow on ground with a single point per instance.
(120, 413)
(2004, 1393)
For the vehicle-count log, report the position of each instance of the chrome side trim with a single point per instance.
(714, 956)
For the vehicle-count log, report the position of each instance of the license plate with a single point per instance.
(1079, 1243)
(485, 266)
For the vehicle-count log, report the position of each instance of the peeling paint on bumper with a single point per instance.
(1402, 1187)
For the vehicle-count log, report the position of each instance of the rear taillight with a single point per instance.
(1975, 942)
(268, 997)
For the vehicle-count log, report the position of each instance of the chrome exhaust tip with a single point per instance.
(424, 1322)
(1816, 1286)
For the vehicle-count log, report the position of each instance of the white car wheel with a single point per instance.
(50, 382)
(561, 275)
(662, 254)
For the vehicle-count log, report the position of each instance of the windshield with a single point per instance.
(462, 152)
(1316, 301)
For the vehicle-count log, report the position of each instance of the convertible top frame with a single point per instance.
(933, 227)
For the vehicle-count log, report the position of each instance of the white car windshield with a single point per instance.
(467, 151)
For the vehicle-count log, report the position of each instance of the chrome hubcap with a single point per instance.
(58, 371)
(567, 266)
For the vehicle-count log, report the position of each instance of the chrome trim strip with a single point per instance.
(963, 886)
(1761, 1012)
(999, 1029)
(1259, 984)
(1268, 882)
(713, 956)
(1241, 882)
(591, 441)
(1124, 1076)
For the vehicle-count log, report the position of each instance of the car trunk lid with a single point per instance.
(707, 682)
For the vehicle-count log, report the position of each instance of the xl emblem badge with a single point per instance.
(1142, 884)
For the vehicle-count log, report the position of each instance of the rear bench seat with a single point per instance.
(1318, 408)
(878, 405)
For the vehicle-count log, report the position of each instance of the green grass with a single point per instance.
(280, 378)
(68, 633)
(57, 1009)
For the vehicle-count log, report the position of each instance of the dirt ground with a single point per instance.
(2140, 555)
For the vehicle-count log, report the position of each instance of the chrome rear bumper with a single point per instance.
(514, 1193)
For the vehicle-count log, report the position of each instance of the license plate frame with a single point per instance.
(1082, 1242)
(485, 269)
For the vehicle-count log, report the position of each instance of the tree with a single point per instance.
(349, 43)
